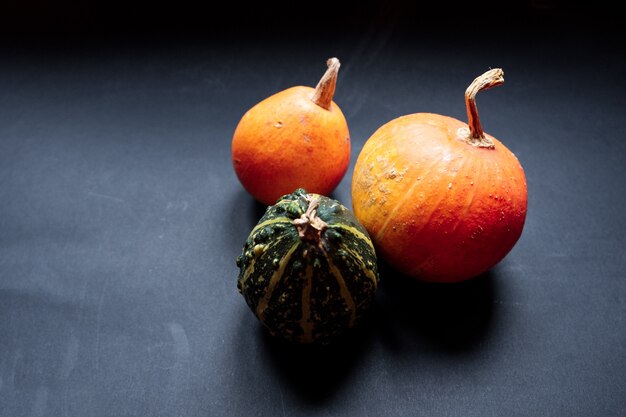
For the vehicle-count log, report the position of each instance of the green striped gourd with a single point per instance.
(308, 269)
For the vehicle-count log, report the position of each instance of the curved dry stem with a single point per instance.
(489, 79)
(325, 90)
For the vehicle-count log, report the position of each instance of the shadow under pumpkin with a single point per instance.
(453, 318)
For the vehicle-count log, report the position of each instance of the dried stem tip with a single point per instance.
(489, 79)
(325, 90)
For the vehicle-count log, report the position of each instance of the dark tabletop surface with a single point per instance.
(121, 218)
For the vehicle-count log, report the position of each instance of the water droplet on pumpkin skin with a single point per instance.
(449, 186)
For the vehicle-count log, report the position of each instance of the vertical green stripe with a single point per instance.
(355, 255)
(276, 276)
(305, 321)
(343, 289)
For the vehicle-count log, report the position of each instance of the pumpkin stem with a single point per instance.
(489, 79)
(310, 227)
(325, 90)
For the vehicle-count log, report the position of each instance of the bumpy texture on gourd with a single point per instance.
(308, 269)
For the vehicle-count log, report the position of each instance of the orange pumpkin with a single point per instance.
(442, 200)
(297, 138)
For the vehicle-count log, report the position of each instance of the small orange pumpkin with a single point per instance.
(442, 200)
(297, 138)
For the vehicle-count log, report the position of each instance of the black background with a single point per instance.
(121, 216)
(115, 17)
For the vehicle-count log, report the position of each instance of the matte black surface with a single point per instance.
(121, 218)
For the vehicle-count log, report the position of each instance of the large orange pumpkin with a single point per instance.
(442, 200)
(297, 138)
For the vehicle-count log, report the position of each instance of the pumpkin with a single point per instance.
(296, 138)
(308, 269)
(442, 200)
